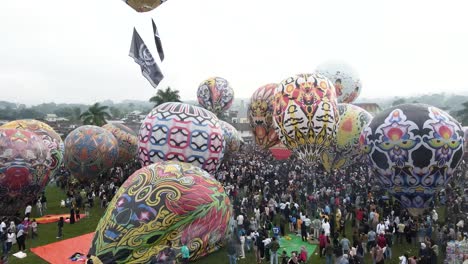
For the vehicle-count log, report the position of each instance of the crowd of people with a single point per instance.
(344, 213)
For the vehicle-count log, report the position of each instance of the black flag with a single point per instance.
(157, 39)
(141, 54)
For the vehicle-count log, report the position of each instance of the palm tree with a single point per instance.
(95, 115)
(163, 96)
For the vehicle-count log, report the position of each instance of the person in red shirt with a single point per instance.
(359, 216)
(322, 242)
(303, 255)
(381, 241)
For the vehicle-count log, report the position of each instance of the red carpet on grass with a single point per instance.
(60, 252)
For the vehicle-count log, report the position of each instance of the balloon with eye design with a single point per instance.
(414, 150)
(165, 201)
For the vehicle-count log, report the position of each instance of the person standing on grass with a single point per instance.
(10, 239)
(274, 247)
(44, 202)
(21, 238)
(39, 206)
(33, 229)
(60, 228)
(72, 215)
(232, 251)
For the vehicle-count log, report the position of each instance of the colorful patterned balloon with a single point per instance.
(128, 142)
(25, 163)
(232, 137)
(215, 94)
(144, 5)
(90, 151)
(414, 150)
(345, 78)
(181, 132)
(261, 116)
(345, 149)
(165, 201)
(52, 140)
(306, 114)
(280, 152)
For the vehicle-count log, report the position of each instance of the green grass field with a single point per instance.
(48, 232)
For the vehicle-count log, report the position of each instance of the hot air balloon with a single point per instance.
(181, 132)
(165, 201)
(306, 115)
(144, 5)
(414, 150)
(90, 151)
(51, 139)
(215, 94)
(25, 164)
(127, 140)
(345, 149)
(260, 115)
(232, 137)
(344, 77)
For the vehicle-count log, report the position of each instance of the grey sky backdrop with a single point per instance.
(77, 51)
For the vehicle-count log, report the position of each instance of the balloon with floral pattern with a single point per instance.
(414, 150)
(215, 94)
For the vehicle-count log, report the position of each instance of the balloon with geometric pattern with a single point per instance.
(215, 94)
(25, 164)
(345, 149)
(260, 115)
(165, 201)
(52, 140)
(306, 115)
(181, 132)
(89, 152)
(144, 5)
(128, 142)
(414, 150)
(346, 80)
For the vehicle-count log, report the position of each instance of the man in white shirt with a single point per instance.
(326, 228)
(380, 227)
(28, 210)
(240, 220)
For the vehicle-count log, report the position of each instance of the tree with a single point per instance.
(95, 115)
(115, 112)
(462, 115)
(163, 96)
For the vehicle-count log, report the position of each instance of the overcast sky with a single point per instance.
(77, 51)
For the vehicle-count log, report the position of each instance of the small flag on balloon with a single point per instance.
(157, 39)
(142, 56)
